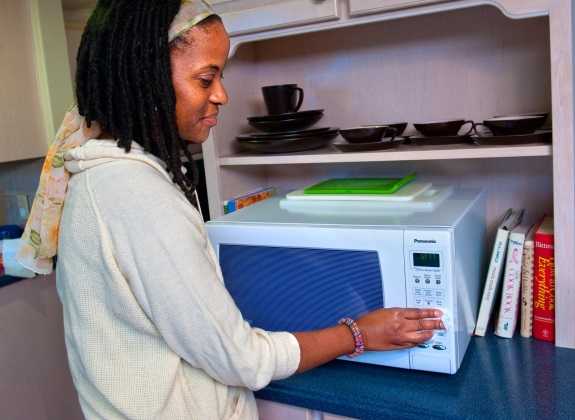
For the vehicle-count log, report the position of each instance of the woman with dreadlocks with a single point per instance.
(150, 330)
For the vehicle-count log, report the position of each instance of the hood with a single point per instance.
(101, 152)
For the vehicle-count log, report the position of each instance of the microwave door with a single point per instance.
(287, 279)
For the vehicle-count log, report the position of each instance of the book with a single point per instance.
(248, 199)
(492, 281)
(510, 289)
(527, 284)
(544, 282)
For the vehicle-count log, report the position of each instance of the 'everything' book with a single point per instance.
(544, 282)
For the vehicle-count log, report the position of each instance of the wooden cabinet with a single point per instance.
(248, 16)
(441, 60)
(269, 410)
(35, 84)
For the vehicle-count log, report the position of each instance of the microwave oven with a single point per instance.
(292, 271)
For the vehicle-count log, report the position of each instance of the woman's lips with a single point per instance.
(210, 121)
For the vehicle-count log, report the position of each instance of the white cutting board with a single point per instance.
(407, 193)
(428, 200)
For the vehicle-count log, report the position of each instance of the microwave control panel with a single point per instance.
(427, 258)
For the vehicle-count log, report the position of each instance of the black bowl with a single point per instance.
(363, 134)
(400, 127)
(440, 128)
(512, 125)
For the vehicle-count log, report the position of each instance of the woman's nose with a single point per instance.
(219, 95)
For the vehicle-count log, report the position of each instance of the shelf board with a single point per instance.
(403, 153)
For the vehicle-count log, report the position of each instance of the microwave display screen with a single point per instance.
(425, 260)
(301, 289)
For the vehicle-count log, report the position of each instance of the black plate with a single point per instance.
(420, 140)
(286, 116)
(537, 137)
(383, 144)
(330, 133)
(283, 134)
(293, 124)
(287, 145)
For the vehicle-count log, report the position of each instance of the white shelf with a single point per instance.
(403, 153)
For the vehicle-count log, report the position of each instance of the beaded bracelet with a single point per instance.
(357, 337)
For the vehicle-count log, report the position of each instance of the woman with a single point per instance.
(151, 331)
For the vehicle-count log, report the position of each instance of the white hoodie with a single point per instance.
(151, 331)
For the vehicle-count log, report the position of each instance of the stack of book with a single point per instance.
(521, 277)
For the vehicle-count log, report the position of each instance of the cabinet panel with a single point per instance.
(35, 83)
(245, 16)
(21, 120)
(360, 7)
(274, 411)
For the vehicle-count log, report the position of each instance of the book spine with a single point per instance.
(492, 281)
(527, 290)
(247, 200)
(544, 288)
(509, 308)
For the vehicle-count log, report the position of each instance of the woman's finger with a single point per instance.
(417, 313)
(424, 325)
(417, 337)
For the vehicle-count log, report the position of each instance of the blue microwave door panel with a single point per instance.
(301, 289)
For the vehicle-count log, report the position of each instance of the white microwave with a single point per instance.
(291, 271)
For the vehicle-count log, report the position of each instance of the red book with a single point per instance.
(544, 282)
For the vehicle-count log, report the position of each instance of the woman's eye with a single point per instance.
(206, 82)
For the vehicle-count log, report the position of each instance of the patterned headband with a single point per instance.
(191, 13)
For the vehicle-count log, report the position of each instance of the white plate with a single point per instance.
(427, 201)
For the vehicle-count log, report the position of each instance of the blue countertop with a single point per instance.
(8, 280)
(499, 379)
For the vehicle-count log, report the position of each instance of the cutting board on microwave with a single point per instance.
(427, 201)
(407, 193)
(359, 186)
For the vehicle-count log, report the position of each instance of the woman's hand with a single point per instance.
(398, 328)
(384, 329)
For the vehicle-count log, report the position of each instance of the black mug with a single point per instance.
(281, 99)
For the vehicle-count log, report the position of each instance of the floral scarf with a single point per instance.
(40, 238)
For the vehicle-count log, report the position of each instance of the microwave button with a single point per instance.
(439, 293)
(418, 292)
(437, 281)
(429, 302)
(439, 347)
(439, 302)
(417, 280)
(428, 292)
(418, 302)
(427, 281)
(423, 345)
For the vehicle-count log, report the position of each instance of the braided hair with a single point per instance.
(123, 81)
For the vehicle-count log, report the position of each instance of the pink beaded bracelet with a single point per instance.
(357, 337)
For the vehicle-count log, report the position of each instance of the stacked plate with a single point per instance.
(286, 122)
(286, 133)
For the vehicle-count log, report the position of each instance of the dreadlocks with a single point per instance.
(123, 81)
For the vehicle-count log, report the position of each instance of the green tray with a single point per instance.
(360, 185)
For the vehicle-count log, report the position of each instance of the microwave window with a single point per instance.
(425, 260)
(301, 289)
